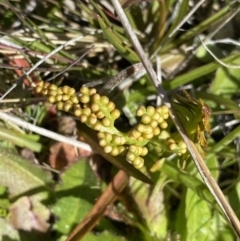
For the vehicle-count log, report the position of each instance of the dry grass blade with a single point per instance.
(44, 132)
(187, 17)
(73, 63)
(109, 196)
(128, 3)
(38, 63)
(198, 160)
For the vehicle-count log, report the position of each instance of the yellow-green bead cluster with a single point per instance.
(179, 148)
(152, 121)
(99, 106)
(65, 97)
(135, 154)
(154, 116)
(92, 109)
(111, 143)
(99, 113)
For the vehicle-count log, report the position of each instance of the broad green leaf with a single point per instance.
(181, 219)
(226, 80)
(234, 198)
(213, 166)
(220, 229)
(104, 236)
(75, 194)
(217, 230)
(214, 229)
(198, 216)
(151, 206)
(28, 185)
(23, 178)
(196, 185)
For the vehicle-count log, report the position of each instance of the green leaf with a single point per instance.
(118, 43)
(226, 80)
(181, 219)
(23, 178)
(182, 10)
(75, 196)
(103, 237)
(197, 221)
(4, 200)
(7, 232)
(224, 142)
(18, 139)
(151, 206)
(220, 229)
(234, 198)
(157, 16)
(198, 216)
(203, 54)
(197, 186)
(29, 186)
(197, 29)
(196, 73)
(213, 166)
(219, 100)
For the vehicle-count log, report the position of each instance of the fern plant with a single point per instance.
(99, 113)
(177, 202)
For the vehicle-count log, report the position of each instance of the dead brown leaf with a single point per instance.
(62, 155)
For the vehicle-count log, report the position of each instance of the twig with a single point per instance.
(198, 160)
(111, 193)
(125, 77)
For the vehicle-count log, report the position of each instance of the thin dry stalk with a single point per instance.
(198, 160)
(117, 185)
